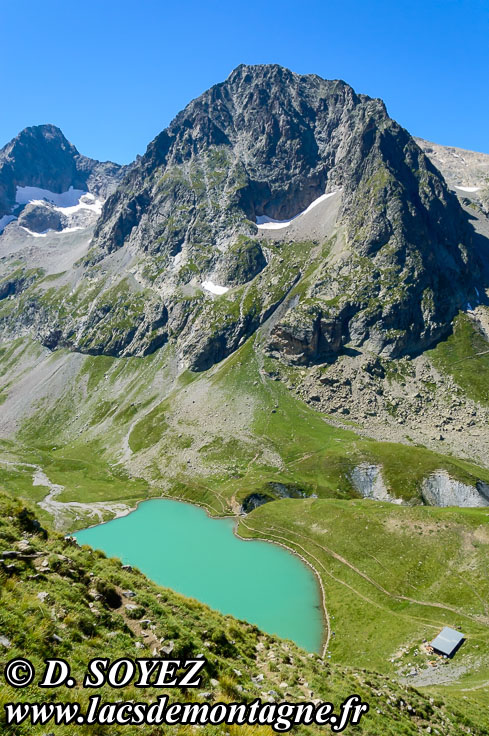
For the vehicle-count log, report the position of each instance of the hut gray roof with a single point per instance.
(447, 641)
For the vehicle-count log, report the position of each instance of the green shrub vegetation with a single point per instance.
(465, 356)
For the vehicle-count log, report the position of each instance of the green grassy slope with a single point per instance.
(57, 600)
(392, 576)
(127, 429)
(465, 356)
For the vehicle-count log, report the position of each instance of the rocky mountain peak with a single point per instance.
(39, 138)
(393, 257)
(285, 133)
(280, 122)
(39, 156)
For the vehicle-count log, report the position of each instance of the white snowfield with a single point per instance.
(87, 202)
(214, 288)
(72, 197)
(267, 223)
(69, 203)
(54, 232)
(35, 235)
(468, 189)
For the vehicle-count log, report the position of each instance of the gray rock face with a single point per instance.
(274, 491)
(40, 217)
(306, 336)
(367, 480)
(253, 501)
(467, 172)
(441, 490)
(241, 263)
(268, 142)
(14, 284)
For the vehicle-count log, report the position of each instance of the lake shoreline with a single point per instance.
(324, 611)
(237, 518)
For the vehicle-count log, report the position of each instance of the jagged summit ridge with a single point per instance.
(284, 139)
(38, 140)
(278, 124)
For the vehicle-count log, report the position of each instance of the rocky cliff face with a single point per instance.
(177, 255)
(441, 490)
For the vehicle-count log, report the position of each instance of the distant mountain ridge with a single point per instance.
(465, 171)
(41, 156)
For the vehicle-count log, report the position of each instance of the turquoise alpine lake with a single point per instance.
(179, 546)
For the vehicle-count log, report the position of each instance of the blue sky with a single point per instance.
(112, 74)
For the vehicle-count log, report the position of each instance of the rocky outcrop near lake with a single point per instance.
(441, 490)
(367, 480)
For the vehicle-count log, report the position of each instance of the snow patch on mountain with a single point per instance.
(35, 235)
(267, 223)
(86, 202)
(69, 203)
(468, 189)
(72, 197)
(214, 288)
